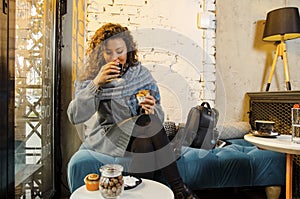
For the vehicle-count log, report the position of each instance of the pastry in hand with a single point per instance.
(141, 95)
(92, 182)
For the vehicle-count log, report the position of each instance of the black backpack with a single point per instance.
(200, 126)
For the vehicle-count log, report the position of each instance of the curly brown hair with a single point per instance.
(95, 58)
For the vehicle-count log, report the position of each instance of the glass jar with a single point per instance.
(111, 181)
(296, 124)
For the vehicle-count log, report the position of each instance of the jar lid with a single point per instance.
(111, 170)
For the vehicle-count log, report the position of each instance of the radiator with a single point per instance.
(276, 106)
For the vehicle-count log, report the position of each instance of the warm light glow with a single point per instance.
(285, 37)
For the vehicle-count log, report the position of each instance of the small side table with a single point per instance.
(148, 189)
(282, 144)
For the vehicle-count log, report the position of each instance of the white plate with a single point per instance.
(265, 135)
(131, 182)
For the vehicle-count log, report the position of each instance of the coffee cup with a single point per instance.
(264, 126)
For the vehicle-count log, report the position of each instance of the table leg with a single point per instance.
(289, 176)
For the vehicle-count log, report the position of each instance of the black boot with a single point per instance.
(181, 191)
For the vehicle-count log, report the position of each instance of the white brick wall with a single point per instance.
(180, 56)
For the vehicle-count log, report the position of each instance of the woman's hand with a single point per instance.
(107, 73)
(148, 104)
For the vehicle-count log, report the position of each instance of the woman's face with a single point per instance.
(115, 50)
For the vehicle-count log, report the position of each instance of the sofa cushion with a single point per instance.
(233, 130)
(236, 165)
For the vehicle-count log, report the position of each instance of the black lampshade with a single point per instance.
(282, 22)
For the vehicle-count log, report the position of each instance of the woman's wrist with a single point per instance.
(96, 83)
(96, 86)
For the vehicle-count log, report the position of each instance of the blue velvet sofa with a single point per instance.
(237, 165)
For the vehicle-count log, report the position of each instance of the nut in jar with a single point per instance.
(111, 181)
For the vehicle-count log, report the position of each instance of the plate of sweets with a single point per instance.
(131, 182)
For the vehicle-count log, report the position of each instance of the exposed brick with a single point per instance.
(210, 59)
(209, 34)
(209, 68)
(211, 50)
(178, 77)
(211, 7)
(113, 9)
(93, 26)
(94, 17)
(130, 2)
(98, 4)
(130, 10)
(210, 101)
(209, 76)
(210, 85)
(210, 42)
(159, 57)
(209, 95)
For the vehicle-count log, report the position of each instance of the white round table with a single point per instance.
(148, 189)
(283, 144)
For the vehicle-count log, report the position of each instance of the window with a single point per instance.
(30, 99)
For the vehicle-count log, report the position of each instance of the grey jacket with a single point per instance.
(105, 125)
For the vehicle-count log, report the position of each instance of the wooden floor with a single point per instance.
(231, 193)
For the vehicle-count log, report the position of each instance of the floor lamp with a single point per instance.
(281, 24)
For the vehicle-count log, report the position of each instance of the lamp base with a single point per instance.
(288, 86)
(268, 86)
(280, 52)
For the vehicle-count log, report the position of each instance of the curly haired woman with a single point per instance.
(115, 122)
